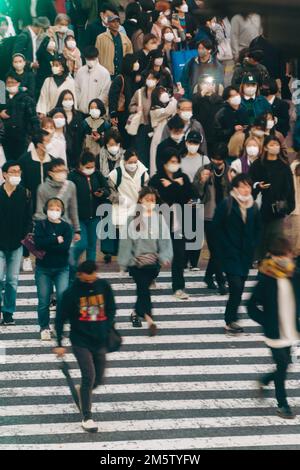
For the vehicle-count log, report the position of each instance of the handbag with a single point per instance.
(148, 259)
(134, 120)
(113, 341)
(224, 50)
(121, 102)
(29, 243)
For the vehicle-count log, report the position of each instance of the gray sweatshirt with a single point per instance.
(51, 188)
(153, 238)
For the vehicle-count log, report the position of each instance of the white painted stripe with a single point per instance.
(186, 339)
(131, 286)
(130, 299)
(198, 443)
(149, 371)
(162, 325)
(148, 425)
(146, 387)
(149, 405)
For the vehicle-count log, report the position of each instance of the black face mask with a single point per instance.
(265, 91)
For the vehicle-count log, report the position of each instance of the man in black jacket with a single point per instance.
(89, 305)
(15, 219)
(28, 41)
(280, 108)
(19, 116)
(175, 141)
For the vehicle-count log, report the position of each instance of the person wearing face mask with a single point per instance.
(212, 186)
(205, 64)
(92, 81)
(183, 21)
(168, 45)
(111, 153)
(175, 190)
(15, 222)
(73, 129)
(162, 108)
(26, 76)
(94, 126)
(53, 86)
(237, 225)
(252, 102)
(57, 185)
(60, 31)
(157, 64)
(147, 247)
(45, 56)
(251, 65)
(207, 30)
(28, 41)
(113, 46)
(280, 108)
(231, 117)
(141, 101)
(58, 143)
(252, 151)
(54, 237)
(18, 113)
(150, 43)
(176, 139)
(92, 191)
(89, 306)
(274, 304)
(272, 178)
(72, 54)
(7, 29)
(121, 92)
(99, 25)
(159, 21)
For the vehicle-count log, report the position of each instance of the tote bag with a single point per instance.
(134, 120)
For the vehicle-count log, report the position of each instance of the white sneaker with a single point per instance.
(46, 335)
(89, 425)
(180, 294)
(195, 269)
(27, 265)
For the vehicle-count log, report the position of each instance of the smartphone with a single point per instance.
(267, 185)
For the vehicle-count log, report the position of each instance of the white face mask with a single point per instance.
(173, 167)
(51, 46)
(149, 206)
(250, 90)
(184, 8)
(252, 151)
(71, 44)
(258, 133)
(95, 113)
(151, 83)
(14, 180)
(131, 166)
(164, 97)
(274, 150)
(158, 61)
(193, 148)
(60, 177)
(113, 149)
(186, 115)
(91, 63)
(88, 171)
(55, 70)
(177, 138)
(12, 90)
(235, 100)
(243, 198)
(164, 22)
(136, 67)
(270, 124)
(63, 29)
(19, 67)
(59, 122)
(53, 215)
(68, 104)
(169, 37)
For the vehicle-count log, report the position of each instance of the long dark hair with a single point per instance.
(267, 140)
(145, 191)
(61, 98)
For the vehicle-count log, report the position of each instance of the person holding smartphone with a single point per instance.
(92, 190)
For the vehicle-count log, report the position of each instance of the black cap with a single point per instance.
(194, 136)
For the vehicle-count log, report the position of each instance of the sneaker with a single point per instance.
(195, 268)
(78, 390)
(46, 335)
(152, 330)
(27, 265)
(222, 289)
(135, 320)
(210, 283)
(285, 412)
(89, 425)
(180, 294)
(233, 328)
(8, 319)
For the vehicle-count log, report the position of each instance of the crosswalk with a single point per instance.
(190, 387)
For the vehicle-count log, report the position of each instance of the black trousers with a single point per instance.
(143, 277)
(92, 366)
(282, 359)
(192, 256)
(178, 263)
(214, 264)
(236, 288)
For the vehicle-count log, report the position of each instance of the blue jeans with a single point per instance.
(45, 279)
(10, 263)
(88, 241)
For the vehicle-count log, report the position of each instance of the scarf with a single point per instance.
(73, 59)
(277, 268)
